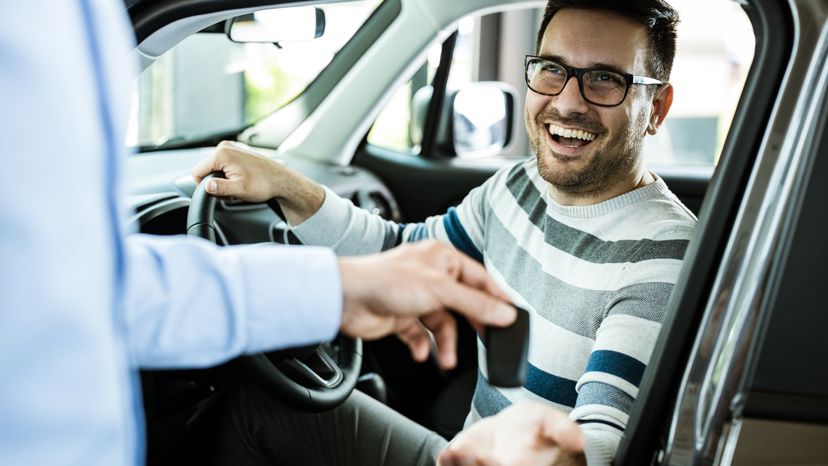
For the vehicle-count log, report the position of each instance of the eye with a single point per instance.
(606, 78)
(604, 81)
(551, 68)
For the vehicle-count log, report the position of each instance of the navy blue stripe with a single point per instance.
(399, 238)
(599, 421)
(551, 387)
(487, 400)
(418, 233)
(617, 364)
(458, 236)
(392, 232)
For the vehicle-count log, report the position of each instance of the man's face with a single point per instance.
(580, 166)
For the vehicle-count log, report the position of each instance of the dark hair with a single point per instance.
(657, 15)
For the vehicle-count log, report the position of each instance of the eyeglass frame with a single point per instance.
(578, 73)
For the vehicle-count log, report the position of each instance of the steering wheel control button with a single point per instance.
(506, 352)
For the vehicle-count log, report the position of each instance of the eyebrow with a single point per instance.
(603, 66)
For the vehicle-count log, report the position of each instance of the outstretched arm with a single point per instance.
(190, 303)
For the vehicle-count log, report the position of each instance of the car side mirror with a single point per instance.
(277, 25)
(476, 121)
(482, 119)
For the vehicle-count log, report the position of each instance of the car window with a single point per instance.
(714, 52)
(713, 55)
(392, 128)
(208, 85)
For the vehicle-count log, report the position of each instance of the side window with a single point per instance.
(394, 128)
(713, 55)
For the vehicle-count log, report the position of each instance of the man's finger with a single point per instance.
(475, 275)
(459, 458)
(417, 340)
(444, 328)
(204, 168)
(560, 430)
(456, 458)
(217, 187)
(223, 187)
(477, 306)
(451, 458)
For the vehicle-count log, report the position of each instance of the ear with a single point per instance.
(661, 105)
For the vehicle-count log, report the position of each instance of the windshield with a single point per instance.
(208, 86)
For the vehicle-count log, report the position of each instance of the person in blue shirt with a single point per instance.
(85, 304)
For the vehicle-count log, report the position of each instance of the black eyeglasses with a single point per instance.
(599, 86)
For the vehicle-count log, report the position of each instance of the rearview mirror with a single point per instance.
(278, 25)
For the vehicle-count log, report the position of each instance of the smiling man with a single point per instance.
(582, 235)
(585, 132)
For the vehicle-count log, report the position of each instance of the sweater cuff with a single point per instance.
(325, 227)
(599, 449)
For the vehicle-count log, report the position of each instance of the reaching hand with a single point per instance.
(524, 434)
(414, 286)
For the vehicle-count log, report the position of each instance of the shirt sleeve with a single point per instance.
(349, 230)
(190, 303)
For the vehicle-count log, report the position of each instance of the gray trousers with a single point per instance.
(258, 430)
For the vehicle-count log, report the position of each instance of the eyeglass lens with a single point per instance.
(600, 87)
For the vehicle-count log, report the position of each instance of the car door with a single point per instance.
(735, 377)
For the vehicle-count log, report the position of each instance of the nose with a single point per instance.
(570, 101)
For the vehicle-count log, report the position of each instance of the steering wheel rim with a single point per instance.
(306, 378)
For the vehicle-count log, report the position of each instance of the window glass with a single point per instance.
(713, 55)
(209, 85)
(393, 125)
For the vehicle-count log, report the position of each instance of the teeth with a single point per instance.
(571, 133)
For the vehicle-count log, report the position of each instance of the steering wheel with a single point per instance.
(312, 378)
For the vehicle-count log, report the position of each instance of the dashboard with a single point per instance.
(160, 187)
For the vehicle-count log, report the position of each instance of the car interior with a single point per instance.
(382, 101)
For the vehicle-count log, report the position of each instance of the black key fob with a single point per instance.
(506, 352)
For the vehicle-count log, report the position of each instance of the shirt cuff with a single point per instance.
(294, 296)
(324, 228)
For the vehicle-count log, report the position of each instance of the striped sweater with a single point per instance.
(595, 280)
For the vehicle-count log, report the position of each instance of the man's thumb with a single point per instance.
(217, 187)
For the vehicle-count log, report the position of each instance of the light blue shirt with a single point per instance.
(83, 305)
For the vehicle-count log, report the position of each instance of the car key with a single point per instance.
(506, 351)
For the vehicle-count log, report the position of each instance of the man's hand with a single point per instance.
(524, 434)
(254, 178)
(414, 286)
